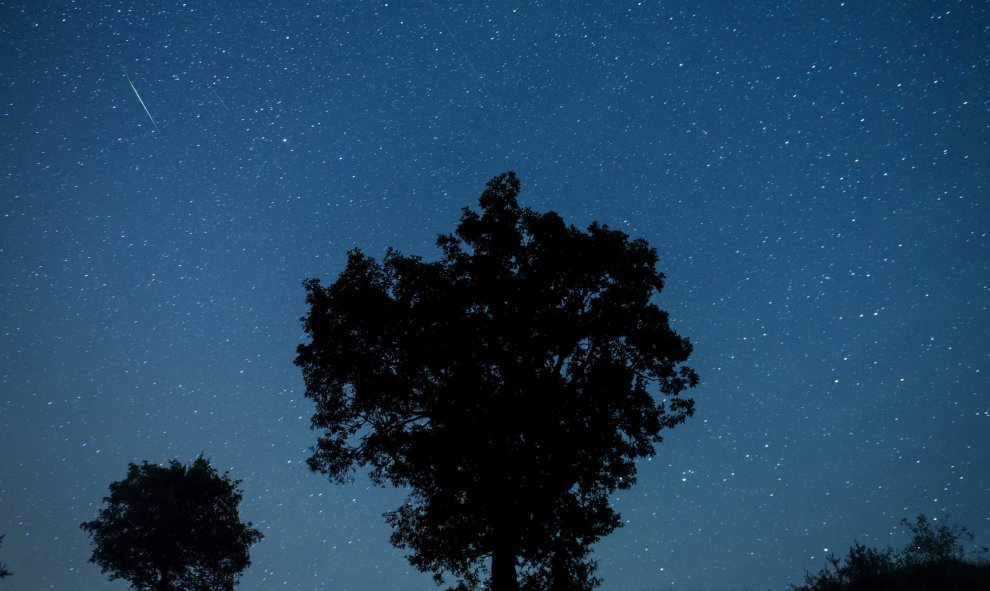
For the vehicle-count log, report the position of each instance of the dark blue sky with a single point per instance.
(814, 175)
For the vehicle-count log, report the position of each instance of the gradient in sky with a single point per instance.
(814, 175)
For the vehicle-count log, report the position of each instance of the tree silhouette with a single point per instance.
(509, 386)
(933, 542)
(173, 528)
(938, 558)
(4, 573)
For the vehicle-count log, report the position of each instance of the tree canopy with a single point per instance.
(510, 386)
(173, 528)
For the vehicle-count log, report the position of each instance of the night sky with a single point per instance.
(813, 174)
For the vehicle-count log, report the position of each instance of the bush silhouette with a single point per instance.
(936, 559)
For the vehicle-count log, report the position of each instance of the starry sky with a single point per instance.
(813, 174)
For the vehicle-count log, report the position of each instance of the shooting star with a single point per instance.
(143, 106)
(467, 59)
(219, 99)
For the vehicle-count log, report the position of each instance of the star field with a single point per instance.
(814, 176)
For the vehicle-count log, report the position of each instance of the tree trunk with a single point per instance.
(504, 567)
(502, 519)
(164, 584)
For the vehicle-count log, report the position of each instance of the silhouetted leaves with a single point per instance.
(933, 542)
(936, 559)
(509, 385)
(172, 528)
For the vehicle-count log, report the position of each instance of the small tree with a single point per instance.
(936, 558)
(510, 386)
(937, 542)
(173, 528)
(862, 568)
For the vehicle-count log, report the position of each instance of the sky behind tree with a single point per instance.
(814, 176)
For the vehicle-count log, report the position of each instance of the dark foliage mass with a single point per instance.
(939, 557)
(509, 386)
(173, 528)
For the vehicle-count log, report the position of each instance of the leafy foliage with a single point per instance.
(172, 528)
(936, 558)
(933, 543)
(509, 386)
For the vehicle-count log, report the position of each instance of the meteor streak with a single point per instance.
(470, 64)
(143, 106)
(219, 99)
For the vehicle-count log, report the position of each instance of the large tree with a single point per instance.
(173, 528)
(510, 386)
